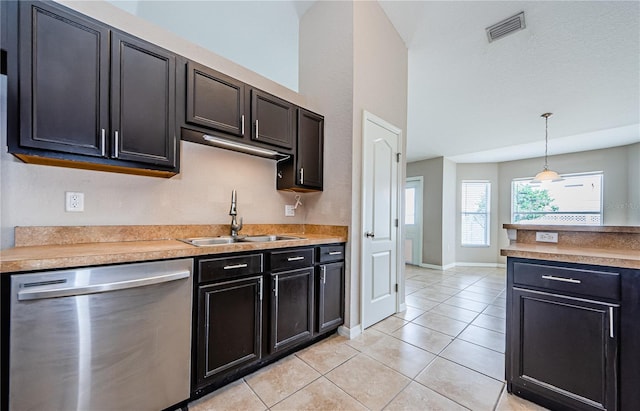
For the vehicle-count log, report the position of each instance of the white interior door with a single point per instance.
(379, 218)
(413, 220)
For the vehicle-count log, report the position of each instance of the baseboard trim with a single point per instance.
(461, 264)
(350, 333)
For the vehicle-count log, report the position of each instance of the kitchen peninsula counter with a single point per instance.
(46, 248)
(597, 245)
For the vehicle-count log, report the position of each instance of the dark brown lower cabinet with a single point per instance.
(563, 335)
(291, 308)
(229, 326)
(330, 296)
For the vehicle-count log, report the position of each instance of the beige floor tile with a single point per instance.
(431, 294)
(368, 337)
(484, 337)
(483, 360)
(509, 402)
(419, 302)
(425, 338)
(235, 396)
(482, 290)
(441, 323)
(277, 381)
(466, 304)
(321, 394)
(399, 355)
(445, 290)
(462, 385)
(368, 381)
(419, 397)
(389, 324)
(327, 354)
(496, 311)
(456, 313)
(480, 297)
(409, 313)
(491, 323)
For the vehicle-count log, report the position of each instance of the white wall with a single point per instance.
(449, 213)
(633, 184)
(259, 35)
(200, 194)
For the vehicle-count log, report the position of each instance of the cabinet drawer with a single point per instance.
(285, 260)
(586, 282)
(215, 269)
(328, 253)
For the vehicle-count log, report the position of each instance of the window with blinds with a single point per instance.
(475, 208)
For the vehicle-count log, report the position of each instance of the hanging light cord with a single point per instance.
(546, 139)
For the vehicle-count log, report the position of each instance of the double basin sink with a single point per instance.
(210, 241)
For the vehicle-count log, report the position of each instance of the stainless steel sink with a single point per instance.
(268, 237)
(208, 241)
(211, 241)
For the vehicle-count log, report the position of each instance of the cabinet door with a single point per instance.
(310, 149)
(143, 102)
(291, 308)
(64, 80)
(564, 349)
(273, 120)
(330, 296)
(214, 100)
(229, 326)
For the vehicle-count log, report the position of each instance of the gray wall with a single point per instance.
(432, 171)
(621, 186)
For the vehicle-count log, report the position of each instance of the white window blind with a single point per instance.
(475, 213)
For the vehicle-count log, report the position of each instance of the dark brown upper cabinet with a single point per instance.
(88, 96)
(215, 101)
(274, 120)
(304, 172)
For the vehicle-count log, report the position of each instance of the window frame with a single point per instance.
(486, 213)
(565, 176)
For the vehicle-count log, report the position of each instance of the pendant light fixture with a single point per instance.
(546, 174)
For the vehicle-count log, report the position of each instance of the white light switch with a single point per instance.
(546, 237)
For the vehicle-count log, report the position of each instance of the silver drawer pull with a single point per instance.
(611, 322)
(231, 267)
(335, 253)
(564, 280)
(295, 258)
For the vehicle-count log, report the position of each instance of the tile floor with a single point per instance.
(444, 352)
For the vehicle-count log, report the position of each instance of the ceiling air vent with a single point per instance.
(506, 27)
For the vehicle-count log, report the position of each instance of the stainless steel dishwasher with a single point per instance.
(102, 338)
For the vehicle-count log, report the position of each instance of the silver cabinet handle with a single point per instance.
(104, 142)
(324, 274)
(369, 234)
(257, 134)
(275, 290)
(611, 322)
(115, 143)
(295, 258)
(562, 279)
(242, 125)
(100, 288)
(260, 288)
(232, 267)
(335, 253)
(301, 175)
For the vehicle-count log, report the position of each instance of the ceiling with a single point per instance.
(475, 101)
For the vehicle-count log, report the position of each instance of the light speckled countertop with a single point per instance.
(597, 245)
(58, 247)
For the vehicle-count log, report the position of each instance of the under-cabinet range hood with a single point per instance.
(202, 138)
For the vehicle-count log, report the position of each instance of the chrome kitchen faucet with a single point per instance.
(233, 212)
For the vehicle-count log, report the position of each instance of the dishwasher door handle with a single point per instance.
(39, 294)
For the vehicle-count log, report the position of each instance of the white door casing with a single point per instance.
(413, 229)
(380, 205)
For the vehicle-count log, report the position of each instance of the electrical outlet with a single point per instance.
(546, 237)
(289, 210)
(74, 201)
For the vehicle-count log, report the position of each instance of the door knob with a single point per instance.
(369, 234)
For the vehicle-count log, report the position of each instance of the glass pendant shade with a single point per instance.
(546, 174)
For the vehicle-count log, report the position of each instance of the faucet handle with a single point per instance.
(240, 225)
